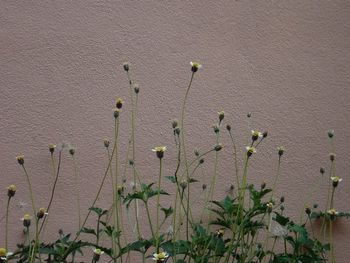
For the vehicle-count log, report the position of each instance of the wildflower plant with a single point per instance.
(248, 225)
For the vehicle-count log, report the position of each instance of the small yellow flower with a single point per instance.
(26, 220)
(336, 180)
(159, 151)
(20, 159)
(332, 212)
(250, 150)
(98, 251)
(195, 66)
(162, 256)
(256, 135)
(269, 207)
(41, 213)
(220, 232)
(3, 252)
(11, 190)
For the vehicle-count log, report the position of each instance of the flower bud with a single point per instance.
(221, 116)
(282, 207)
(220, 233)
(120, 189)
(263, 185)
(282, 199)
(195, 66)
(72, 151)
(174, 123)
(196, 152)
(116, 113)
(204, 186)
(332, 156)
(131, 162)
(20, 159)
(41, 213)
(322, 170)
(269, 207)
(280, 150)
(126, 66)
(119, 103)
(52, 147)
(336, 180)
(11, 190)
(307, 210)
(249, 114)
(332, 214)
(232, 187)
(216, 128)
(26, 220)
(201, 161)
(218, 147)
(330, 134)
(136, 88)
(264, 134)
(106, 143)
(183, 184)
(228, 127)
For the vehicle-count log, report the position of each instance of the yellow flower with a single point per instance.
(160, 256)
(332, 212)
(159, 151)
(11, 190)
(98, 251)
(250, 150)
(195, 66)
(256, 135)
(336, 180)
(3, 252)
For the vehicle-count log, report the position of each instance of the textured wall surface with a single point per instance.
(287, 62)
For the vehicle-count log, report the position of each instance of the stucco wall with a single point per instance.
(287, 62)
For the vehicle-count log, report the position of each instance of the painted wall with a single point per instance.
(287, 62)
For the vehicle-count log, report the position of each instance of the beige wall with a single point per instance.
(288, 62)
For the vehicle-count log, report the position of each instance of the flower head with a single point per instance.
(250, 150)
(332, 213)
(336, 180)
(280, 150)
(3, 252)
(160, 257)
(26, 220)
(126, 66)
(119, 103)
(256, 135)
(136, 88)
(221, 115)
(41, 213)
(52, 147)
(106, 143)
(159, 151)
(195, 66)
(20, 159)
(11, 190)
(330, 133)
(269, 207)
(220, 232)
(97, 254)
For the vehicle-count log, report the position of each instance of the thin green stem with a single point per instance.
(7, 223)
(158, 198)
(77, 189)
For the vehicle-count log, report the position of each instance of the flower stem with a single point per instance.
(158, 196)
(7, 222)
